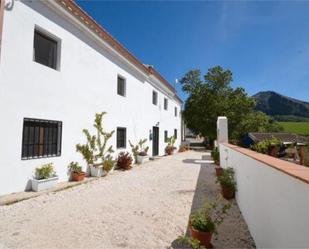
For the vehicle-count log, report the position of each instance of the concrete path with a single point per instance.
(146, 207)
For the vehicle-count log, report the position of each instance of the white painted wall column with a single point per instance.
(222, 130)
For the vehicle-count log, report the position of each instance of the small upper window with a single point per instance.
(175, 133)
(45, 50)
(121, 86)
(176, 111)
(121, 137)
(154, 97)
(165, 103)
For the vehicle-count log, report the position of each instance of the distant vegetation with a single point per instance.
(282, 108)
(301, 128)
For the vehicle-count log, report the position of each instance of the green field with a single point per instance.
(301, 128)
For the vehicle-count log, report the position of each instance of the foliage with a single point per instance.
(207, 218)
(188, 242)
(215, 97)
(300, 128)
(124, 161)
(45, 171)
(183, 148)
(139, 148)
(75, 167)
(215, 154)
(108, 163)
(227, 179)
(95, 151)
(266, 145)
(170, 141)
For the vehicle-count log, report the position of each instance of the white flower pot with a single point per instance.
(38, 185)
(141, 159)
(96, 171)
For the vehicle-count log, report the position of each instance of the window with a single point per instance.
(176, 111)
(165, 103)
(121, 137)
(165, 136)
(41, 138)
(45, 50)
(121, 86)
(175, 133)
(154, 97)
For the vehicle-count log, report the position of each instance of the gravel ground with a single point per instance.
(146, 207)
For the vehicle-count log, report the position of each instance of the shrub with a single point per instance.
(124, 161)
(227, 179)
(215, 154)
(95, 151)
(139, 149)
(108, 164)
(207, 218)
(183, 242)
(45, 171)
(266, 145)
(75, 168)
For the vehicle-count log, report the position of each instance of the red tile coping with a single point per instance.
(72, 7)
(297, 171)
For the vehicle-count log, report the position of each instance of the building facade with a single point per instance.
(58, 68)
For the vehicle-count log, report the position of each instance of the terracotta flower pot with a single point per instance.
(217, 162)
(219, 171)
(203, 237)
(228, 193)
(78, 176)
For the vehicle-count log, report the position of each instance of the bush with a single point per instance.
(266, 145)
(227, 179)
(74, 167)
(45, 171)
(108, 164)
(124, 161)
(215, 154)
(183, 242)
(207, 218)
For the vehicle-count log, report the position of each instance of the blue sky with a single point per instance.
(264, 43)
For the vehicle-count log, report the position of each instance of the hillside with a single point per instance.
(281, 107)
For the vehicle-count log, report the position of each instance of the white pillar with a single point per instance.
(222, 131)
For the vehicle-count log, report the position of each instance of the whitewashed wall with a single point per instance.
(85, 84)
(274, 204)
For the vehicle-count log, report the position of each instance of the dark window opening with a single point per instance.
(165, 104)
(45, 50)
(41, 138)
(154, 97)
(175, 133)
(165, 136)
(176, 111)
(121, 137)
(121, 86)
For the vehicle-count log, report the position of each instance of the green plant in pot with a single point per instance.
(109, 164)
(76, 172)
(140, 151)
(169, 149)
(204, 221)
(95, 151)
(228, 183)
(186, 242)
(45, 177)
(215, 155)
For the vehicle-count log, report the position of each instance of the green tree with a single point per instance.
(213, 97)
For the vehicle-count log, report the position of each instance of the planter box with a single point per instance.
(96, 171)
(141, 159)
(38, 185)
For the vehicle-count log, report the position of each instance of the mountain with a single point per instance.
(281, 107)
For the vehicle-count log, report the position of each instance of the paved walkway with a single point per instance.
(146, 207)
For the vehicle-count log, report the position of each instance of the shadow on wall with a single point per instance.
(205, 189)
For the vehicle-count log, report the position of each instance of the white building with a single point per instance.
(58, 68)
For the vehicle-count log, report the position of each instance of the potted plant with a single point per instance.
(219, 171)
(182, 148)
(228, 183)
(45, 178)
(186, 242)
(169, 149)
(95, 151)
(108, 165)
(139, 151)
(203, 222)
(76, 172)
(124, 161)
(215, 155)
